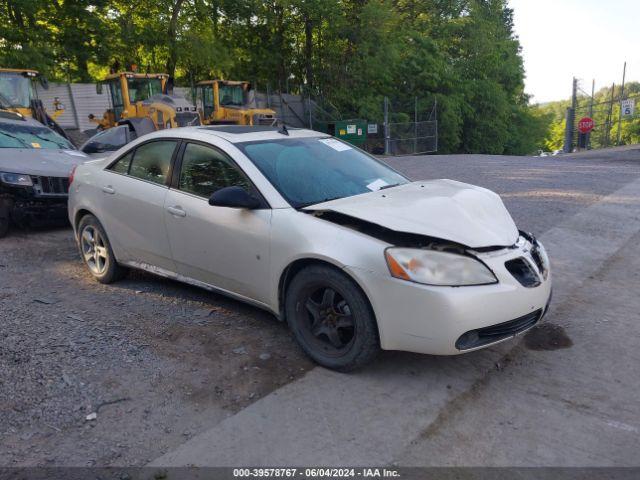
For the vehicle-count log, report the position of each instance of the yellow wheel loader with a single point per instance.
(18, 95)
(231, 102)
(141, 101)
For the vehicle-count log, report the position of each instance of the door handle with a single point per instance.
(177, 211)
(109, 189)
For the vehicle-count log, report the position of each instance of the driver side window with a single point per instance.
(205, 170)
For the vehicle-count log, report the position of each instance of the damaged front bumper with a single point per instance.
(453, 320)
(27, 205)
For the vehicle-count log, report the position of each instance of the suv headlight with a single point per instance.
(433, 267)
(16, 179)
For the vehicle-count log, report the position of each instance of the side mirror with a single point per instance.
(44, 82)
(234, 197)
(99, 88)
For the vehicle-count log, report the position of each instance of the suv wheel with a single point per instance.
(331, 318)
(96, 251)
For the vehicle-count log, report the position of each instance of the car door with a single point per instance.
(134, 190)
(224, 247)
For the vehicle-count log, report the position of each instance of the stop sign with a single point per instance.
(586, 124)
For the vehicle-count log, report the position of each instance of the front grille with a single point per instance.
(495, 333)
(187, 119)
(50, 185)
(522, 271)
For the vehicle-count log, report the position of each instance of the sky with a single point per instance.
(588, 39)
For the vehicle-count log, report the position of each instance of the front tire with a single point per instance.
(331, 318)
(96, 251)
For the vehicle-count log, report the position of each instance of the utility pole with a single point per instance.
(593, 92)
(624, 74)
(571, 114)
(435, 108)
(415, 125)
(386, 126)
(609, 116)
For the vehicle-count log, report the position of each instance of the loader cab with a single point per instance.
(128, 88)
(18, 89)
(215, 94)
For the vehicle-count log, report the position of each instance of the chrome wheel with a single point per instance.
(94, 250)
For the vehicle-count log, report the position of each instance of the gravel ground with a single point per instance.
(158, 361)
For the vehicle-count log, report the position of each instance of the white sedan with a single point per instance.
(350, 253)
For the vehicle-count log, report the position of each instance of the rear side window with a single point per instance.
(205, 170)
(122, 165)
(152, 160)
(108, 141)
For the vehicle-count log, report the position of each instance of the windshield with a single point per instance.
(15, 90)
(141, 89)
(313, 170)
(231, 95)
(30, 136)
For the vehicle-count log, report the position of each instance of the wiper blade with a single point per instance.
(16, 138)
(390, 186)
(315, 202)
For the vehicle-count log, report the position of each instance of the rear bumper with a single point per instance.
(432, 320)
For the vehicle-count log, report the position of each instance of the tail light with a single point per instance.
(72, 174)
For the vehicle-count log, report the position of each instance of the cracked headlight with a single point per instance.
(433, 267)
(540, 256)
(16, 179)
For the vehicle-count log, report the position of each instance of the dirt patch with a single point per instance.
(547, 336)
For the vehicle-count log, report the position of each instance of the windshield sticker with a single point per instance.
(337, 145)
(35, 145)
(377, 185)
(74, 153)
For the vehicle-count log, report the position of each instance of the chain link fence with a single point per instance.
(411, 127)
(612, 127)
(398, 128)
(615, 117)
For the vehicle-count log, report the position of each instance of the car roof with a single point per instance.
(246, 133)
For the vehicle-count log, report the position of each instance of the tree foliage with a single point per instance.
(349, 53)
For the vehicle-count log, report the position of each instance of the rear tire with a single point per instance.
(96, 251)
(331, 318)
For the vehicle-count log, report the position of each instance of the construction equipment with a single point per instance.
(231, 102)
(141, 101)
(18, 94)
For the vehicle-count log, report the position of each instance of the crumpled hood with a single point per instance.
(40, 161)
(445, 209)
